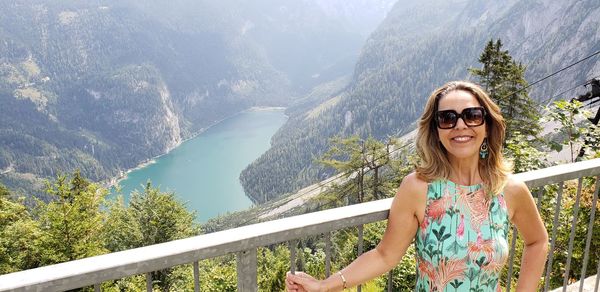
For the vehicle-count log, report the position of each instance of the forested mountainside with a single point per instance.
(102, 86)
(418, 47)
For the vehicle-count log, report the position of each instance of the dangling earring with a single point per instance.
(483, 151)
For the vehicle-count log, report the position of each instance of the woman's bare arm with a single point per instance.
(407, 207)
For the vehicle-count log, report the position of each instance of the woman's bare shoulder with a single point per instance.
(413, 185)
(515, 187)
(516, 194)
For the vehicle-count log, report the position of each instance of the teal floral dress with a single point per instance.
(461, 243)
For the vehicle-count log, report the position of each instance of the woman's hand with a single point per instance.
(301, 282)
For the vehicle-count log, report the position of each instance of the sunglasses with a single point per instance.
(472, 117)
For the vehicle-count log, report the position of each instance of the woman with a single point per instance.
(456, 206)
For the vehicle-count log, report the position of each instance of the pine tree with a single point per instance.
(503, 78)
(19, 235)
(346, 156)
(72, 222)
(376, 156)
(361, 160)
(151, 217)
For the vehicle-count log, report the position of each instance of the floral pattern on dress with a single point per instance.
(461, 243)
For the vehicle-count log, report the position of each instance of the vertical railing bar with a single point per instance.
(511, 257)
(97, 287)
(588, 240)
(540, 195)
(196, 277)
(327, 254)
(247, 270)
(292, 247)
(360, 248)
(597, 275)
(149, 282)
(390, 282)
(553, 238)
(301, 262)
(360, 239)
(572, 234)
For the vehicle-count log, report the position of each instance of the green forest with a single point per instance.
(82, 89)
(78, 221)
(419, 47)
(104, 86)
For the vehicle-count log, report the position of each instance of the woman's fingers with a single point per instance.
(299, 282)
(290, 284)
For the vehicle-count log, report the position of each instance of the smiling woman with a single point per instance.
(456, 206)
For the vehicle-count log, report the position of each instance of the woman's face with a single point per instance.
(461, 141)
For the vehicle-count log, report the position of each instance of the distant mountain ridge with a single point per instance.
(419, 46)
(105, 85)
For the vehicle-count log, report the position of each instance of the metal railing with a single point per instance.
(244, 241)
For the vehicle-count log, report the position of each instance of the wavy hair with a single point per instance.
(434, 164)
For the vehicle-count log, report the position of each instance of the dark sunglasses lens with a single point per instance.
(473, 116)
(447, 119)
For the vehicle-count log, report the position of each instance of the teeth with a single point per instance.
(461, 138)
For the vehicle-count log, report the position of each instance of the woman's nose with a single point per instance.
(460, 124)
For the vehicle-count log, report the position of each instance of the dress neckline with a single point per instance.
(478, 185)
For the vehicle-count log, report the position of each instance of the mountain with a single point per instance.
(361, 16)
(312, 41)
(419, 46)
(102, 86)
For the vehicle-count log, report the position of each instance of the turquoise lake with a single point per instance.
(204, 171)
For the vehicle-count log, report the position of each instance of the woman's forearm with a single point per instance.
(366, 267)
(532, 266)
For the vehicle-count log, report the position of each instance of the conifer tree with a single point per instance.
(503, 78)
(355, 158)
(346, 156)
(151, 217)
(18, 235)
(376, 156)
(71, 224)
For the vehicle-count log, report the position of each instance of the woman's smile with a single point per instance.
(462, 138)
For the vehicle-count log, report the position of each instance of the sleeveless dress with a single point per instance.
(462, 242)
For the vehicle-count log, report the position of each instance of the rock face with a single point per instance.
(419, 46)
(105, 86)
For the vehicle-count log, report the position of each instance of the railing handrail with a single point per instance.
(560, 173)
(92, 270)
(97, 269)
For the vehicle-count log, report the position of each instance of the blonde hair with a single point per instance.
(434, 164)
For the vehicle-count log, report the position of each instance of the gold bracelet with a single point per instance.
(343, 279)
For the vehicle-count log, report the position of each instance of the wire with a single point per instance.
(543, 103)
(565, 91)
(554, 73)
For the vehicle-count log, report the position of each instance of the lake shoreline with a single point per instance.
(113, 182)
